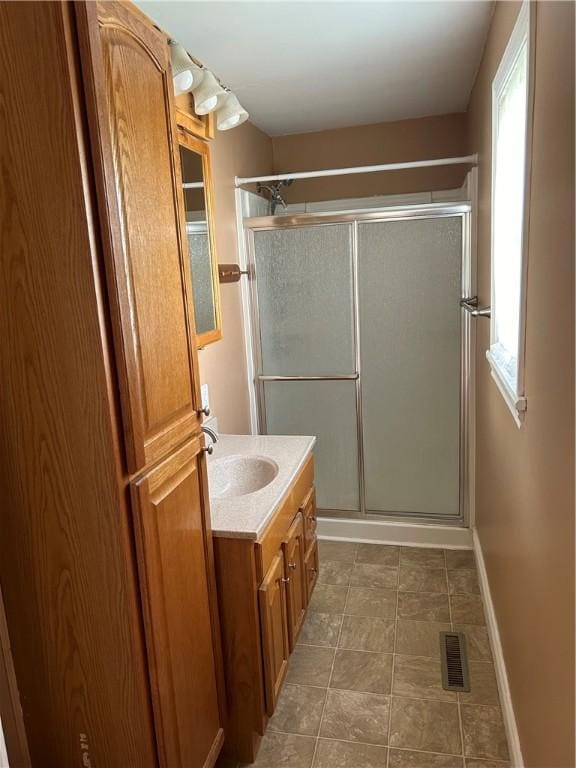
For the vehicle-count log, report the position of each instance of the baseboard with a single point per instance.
(516, 760)
(385, 532)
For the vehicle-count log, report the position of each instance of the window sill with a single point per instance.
(516, 405)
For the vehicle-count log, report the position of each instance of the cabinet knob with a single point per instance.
(292, 566)
(285, 580)
(209, 449)
(205, 411)
(314, 570)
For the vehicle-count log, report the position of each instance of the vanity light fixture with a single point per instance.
(186, 75)
(209, 94)
(230, 113)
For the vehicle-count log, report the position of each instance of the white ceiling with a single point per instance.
(308, 66)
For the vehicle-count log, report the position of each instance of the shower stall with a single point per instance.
(358, 337)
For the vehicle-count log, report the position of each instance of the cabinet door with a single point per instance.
(126, 69)
(174, 564)
(308, 510)
(293, 548)
(273, 618)
(311, 565)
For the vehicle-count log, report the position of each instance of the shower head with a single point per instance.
(274, 191)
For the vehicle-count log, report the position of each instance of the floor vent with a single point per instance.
(455, 675)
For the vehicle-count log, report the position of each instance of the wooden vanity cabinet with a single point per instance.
(264, 588)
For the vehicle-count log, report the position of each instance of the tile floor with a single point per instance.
(364, 688)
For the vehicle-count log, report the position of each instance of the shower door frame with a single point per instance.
(467, 340)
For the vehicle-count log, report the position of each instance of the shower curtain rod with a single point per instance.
(470, 159)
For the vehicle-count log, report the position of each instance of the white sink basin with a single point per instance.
(239, 475)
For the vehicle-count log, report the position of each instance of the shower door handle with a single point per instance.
(471, 306)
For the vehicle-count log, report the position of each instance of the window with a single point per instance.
(511, 121)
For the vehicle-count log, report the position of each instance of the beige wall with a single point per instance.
(243, 151)
(525, 478)
(421, 139)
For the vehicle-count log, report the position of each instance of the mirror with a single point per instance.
(197, 190)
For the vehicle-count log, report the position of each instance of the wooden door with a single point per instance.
(297, 601)
(174, 566)
(126, 68)
(273, 618)
(308, 510)
(311, 566)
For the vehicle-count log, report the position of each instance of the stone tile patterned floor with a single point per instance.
(364, 687)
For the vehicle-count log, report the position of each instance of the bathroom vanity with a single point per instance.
(266, 557)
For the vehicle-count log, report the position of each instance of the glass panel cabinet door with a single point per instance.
(199, 253)
(197, 190)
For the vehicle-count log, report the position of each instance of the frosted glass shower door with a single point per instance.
(326, 409)
(409, 282)
(304, 278)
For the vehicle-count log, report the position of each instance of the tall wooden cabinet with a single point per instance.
(106, 558)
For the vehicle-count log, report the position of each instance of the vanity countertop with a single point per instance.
(247, 516)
